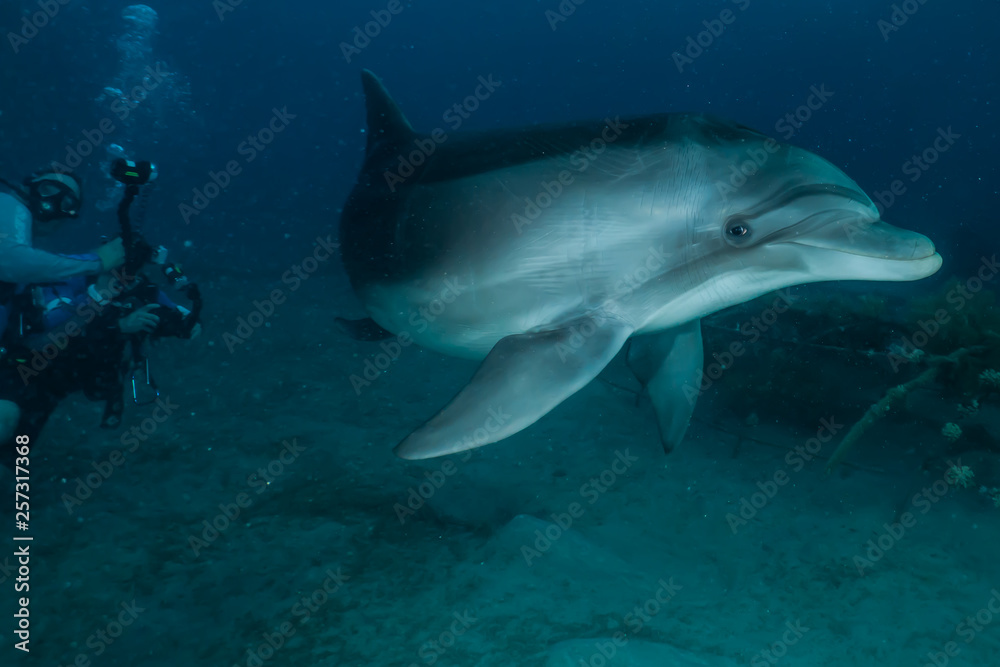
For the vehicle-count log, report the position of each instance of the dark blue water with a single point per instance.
(892, 90)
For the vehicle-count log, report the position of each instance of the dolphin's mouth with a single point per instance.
(876, 240)
(856, 250)
(839, 218)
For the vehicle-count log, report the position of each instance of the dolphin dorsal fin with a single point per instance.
(386, 123)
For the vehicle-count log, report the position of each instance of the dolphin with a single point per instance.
(544, 251)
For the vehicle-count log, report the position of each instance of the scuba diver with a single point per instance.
(84, 334)
(87, 333)
(44, 200)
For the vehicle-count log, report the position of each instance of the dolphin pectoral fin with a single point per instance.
(366, 329)
(523, 378)
(668, 365)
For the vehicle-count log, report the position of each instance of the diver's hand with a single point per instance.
(142, 320)
(195, 331)
(111, 254)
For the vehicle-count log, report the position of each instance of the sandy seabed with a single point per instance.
(266, 522)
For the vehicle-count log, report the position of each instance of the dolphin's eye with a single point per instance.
(737, 232)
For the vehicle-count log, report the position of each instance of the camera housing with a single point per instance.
(130, 172)
(172, 323)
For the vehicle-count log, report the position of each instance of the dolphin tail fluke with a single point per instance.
(668, 364)
(523, 378)
(386, 123)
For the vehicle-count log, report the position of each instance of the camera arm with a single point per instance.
(132, 175)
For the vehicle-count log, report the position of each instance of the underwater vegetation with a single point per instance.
(877, 358)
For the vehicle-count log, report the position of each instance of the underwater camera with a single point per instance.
(173, 323)
(139, 253)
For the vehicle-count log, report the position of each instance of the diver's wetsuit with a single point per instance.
(37, 373)
(22, 264)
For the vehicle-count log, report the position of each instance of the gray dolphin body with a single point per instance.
(546, 250)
